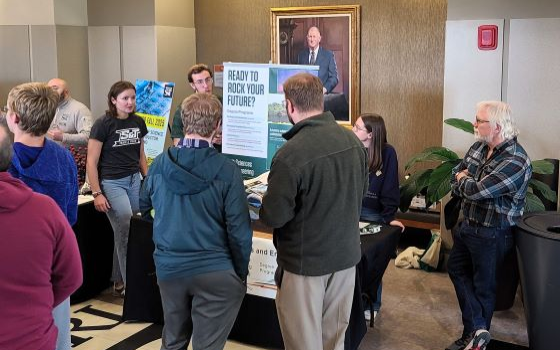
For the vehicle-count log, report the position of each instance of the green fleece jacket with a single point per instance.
(315, 188)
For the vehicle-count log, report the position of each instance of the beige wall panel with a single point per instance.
(29, 12)
(43, 52)
(71, 12)
(176, 49)
(139, 53)
(73, 60)
(402, 57)
(534, 84)
(121, 12)
(104, 65)
(14, 55)
(175, 13)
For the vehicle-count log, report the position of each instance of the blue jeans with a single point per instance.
(476, 253)
(123, 196)
(61, 316)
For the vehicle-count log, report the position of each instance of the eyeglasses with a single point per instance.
(202, 81)
(356, 127)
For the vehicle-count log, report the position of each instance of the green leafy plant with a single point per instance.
(434, 182)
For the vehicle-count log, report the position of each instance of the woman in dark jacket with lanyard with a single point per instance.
(381, 201)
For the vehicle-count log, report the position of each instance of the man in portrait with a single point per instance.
(314, 54)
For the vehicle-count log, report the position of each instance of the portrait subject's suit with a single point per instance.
(328, 72)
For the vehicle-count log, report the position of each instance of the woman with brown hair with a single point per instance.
(115, 163)
(382, 199)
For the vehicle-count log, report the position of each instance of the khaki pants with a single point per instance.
(314, 310)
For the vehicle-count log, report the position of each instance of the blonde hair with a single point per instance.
(499, 113)
(35, 104)
(200, 114)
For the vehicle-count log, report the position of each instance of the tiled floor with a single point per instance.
(419, 312)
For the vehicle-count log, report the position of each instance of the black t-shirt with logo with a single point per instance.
(121, 138)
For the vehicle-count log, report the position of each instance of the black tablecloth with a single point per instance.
(95, 241)
(377, 251)
(257, 320)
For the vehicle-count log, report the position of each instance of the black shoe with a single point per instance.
(461, 343)
(480, 341)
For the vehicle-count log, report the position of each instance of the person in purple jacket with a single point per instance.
(43, 165)
(41, 264)
(382, 199)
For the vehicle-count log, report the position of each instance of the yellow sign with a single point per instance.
(153, 121)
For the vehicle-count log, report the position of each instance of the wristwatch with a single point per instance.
(96, 193)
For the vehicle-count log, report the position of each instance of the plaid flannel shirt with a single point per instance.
(494, 191)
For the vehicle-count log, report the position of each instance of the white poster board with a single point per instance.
(254, 117)
(262, 266)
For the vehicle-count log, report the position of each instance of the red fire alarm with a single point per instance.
(487, 37)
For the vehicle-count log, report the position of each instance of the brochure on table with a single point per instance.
(254, 116)
(153, 104)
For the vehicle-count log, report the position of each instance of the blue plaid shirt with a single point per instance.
(494, 191)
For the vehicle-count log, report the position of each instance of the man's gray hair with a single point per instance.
(500, 114)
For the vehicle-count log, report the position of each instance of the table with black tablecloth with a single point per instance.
(95, 242)
(257, 320)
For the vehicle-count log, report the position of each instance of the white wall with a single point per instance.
(534, 84)
(484, 9)
(471, 75)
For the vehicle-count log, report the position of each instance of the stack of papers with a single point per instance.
(255, 189)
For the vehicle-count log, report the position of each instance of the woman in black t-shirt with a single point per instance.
(115, 164)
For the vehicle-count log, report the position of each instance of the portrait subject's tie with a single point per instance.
(312, 58)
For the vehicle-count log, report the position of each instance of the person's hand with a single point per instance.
(461, 175)
(101, 204)
(397, 223)
(55, 134)
(324, 90)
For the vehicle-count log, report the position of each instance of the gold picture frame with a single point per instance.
(339, 28)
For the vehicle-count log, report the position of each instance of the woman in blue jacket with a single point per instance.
(382, 199)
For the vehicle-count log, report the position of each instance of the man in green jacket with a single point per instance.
(315, 189)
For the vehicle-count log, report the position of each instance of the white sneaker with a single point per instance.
(375, 314)
(367, 315)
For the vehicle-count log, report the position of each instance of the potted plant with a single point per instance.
(434, 182)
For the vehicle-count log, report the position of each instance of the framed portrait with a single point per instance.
(328, 37)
